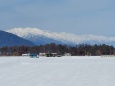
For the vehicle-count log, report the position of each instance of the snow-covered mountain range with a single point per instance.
(39, 36)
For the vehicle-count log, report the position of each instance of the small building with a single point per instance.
(24, 54)
(31, 55)
(15, 53)
(42, 54)
(67, 54)
(54, 54)
(51, 54)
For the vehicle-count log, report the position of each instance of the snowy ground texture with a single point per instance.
(60, 71)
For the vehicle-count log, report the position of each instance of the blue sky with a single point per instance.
(72, 16)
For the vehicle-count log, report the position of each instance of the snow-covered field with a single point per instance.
(57, 71)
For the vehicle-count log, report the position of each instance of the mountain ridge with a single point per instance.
(65, 38)
(9, 39)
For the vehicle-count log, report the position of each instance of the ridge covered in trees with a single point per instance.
(78, 50)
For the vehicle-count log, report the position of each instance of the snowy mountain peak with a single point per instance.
(25, 31)
(33, 33)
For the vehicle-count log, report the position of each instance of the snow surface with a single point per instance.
(57, 71)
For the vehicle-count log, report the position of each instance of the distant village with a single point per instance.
(55, 50)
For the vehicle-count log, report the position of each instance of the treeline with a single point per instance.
(78, 50)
